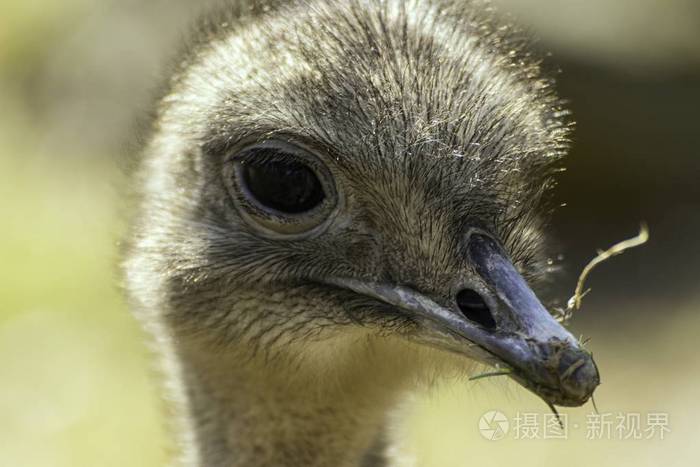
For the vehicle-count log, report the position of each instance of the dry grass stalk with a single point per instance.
(574, 302)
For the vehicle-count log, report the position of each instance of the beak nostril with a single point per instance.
(473, 306)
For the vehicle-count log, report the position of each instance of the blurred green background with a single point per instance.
(77, 386)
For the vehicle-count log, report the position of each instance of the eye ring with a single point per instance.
(281, 189)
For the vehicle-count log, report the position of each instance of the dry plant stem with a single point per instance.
(574, 302)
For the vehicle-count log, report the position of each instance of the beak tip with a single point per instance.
(580, 383)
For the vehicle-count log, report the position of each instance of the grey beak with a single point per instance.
(541, 354)
(545, 357)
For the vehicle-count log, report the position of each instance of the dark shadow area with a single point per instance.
(634, 159)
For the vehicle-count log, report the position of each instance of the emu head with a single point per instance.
(323, 175)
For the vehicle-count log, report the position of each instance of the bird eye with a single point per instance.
(286, 186)
(281, 188)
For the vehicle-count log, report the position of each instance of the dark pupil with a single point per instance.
(286, 186)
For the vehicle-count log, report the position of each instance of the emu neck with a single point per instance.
(256, 415)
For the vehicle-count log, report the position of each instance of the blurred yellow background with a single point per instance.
(77, 385)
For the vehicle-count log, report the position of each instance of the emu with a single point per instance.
(342, 201)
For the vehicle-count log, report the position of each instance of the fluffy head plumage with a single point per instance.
(431, 116)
